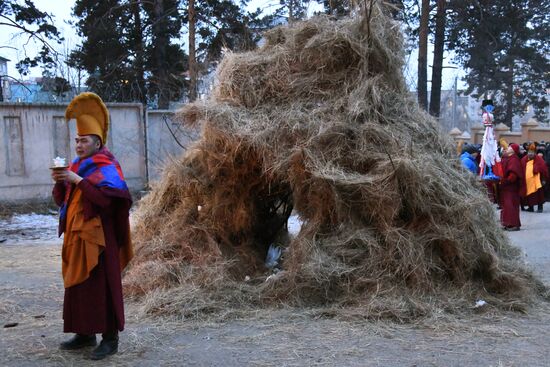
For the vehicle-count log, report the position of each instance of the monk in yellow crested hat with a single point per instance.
(91, 114)
(94, 202)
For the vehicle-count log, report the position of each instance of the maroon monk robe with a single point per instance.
(96, 305)
(536, 198)
(509, 191)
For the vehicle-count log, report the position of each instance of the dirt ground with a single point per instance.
(31, 297)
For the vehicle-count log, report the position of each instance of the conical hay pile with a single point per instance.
(319, 119)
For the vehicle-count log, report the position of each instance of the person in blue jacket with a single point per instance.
(469, 158)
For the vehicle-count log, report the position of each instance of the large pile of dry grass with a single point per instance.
(319, 120)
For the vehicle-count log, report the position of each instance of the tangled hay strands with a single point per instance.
(318, 119)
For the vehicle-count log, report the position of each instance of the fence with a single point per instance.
(530, 131)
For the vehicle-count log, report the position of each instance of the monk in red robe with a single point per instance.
(535, 173)
(94, 216)
(509, 189)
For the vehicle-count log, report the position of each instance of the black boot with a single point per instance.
(539, 208)
(107, 347)
(79, 341)
(530, 209)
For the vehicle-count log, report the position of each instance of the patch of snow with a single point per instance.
(294, 225)
(32, 220)
(275, 276)
(273, 256)
(29, 227)
(480, 303)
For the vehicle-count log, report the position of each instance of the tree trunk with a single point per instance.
(192, 53)
(509, 96)
(439, 45)
(138, 39)
(423, 56)
(161, 46)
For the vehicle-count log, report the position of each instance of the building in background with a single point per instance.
(4, 82)
(25, 91)
(48, 88)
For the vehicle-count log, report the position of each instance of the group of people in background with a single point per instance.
(524, 180)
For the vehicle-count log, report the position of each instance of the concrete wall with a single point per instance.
(164, 136)
(33, 134)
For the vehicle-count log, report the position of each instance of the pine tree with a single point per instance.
(224, 24)
(129, 50)
(504, 47)
(336, 7)
(296, 9)
(166, 61)
(105, 53)
(56, 85)
(216, 25)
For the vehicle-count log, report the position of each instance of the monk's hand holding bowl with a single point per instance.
(60, 175)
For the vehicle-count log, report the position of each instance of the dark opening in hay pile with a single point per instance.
(319, 121)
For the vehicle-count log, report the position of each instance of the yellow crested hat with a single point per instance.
(91, 114)
(503, 143)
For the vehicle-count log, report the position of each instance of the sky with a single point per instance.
(19, 45)
(61, 10)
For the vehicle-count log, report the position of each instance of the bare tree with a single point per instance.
(423, 55)
(437, 69)
(137, 34)
(34, 24)
(192, 52)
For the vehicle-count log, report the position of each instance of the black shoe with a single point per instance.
(530, 209)
(79, 341)
(513, 229)
(105, 348)
(522, 209)
(539, 209)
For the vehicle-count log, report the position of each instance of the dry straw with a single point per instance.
(319, 120)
